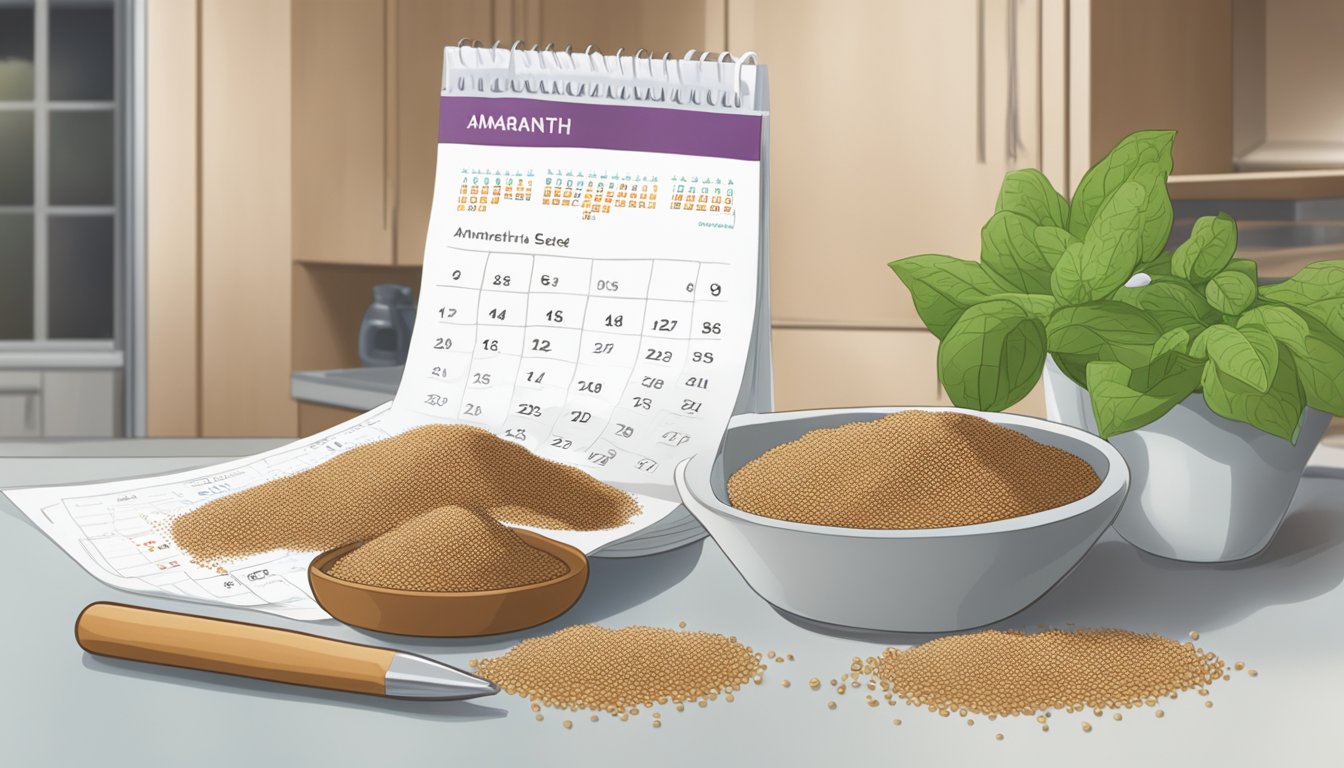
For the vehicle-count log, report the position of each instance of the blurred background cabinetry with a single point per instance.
(308, 174)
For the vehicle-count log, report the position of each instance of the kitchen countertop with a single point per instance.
(361, 389)
(1281, 612)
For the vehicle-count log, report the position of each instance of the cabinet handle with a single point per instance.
(389, 50)
(980, 81)
(1013, 134)
(32, 410)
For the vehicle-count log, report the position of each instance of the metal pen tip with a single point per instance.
(416, 677)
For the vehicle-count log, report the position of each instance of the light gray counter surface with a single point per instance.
(360, 389)
(1282, 613)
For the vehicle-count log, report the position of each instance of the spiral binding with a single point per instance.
(724, 82)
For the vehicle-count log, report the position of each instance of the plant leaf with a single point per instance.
(1134, 152)
(1073, 366)
(1230, 292)
(1160, 266)
(1245, 267)
(1156, 216)
(1103, 330)
(1249, 355)
(992, 357)
(1125, 399)
(1109, 253)
(1053, 242)
(1316, 291)
(1172, 303)
(1277, 411)
(1175, 340)
(1029, 194)
(1212, 242)
(943, 287)
(1318, 354)
(1041, 306)
(1282, 322)
(1008, 249)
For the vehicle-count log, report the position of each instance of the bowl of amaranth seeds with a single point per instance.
(903, 519)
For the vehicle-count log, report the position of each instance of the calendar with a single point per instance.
(594, 289)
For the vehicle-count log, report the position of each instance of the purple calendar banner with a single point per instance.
(538, 123)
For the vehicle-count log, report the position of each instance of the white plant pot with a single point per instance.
(1202, 488)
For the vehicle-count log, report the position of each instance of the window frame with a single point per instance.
(124, 351)
(42, 211)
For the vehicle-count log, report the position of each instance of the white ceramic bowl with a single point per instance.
(922, 580)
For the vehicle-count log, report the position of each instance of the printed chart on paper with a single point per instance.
(588, 294)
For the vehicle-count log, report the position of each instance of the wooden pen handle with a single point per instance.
(231, 647)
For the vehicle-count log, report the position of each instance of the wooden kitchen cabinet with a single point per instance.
(888, 138)
(314, 418)
(657, 26)
(366, 79)
(840, 368)
(343, 193)
(423, 28)
(843, 368)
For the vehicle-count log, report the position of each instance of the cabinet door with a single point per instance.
(20, 404)
(423, 28)
(342, 194)
(81, 403)
(655, 25)
(889, 137)
(845, 368)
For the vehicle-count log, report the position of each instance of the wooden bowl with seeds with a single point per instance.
(450, 614)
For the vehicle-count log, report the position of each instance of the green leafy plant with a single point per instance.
(1088, 281)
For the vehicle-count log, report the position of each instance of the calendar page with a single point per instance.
(591, 295)
(590, 290)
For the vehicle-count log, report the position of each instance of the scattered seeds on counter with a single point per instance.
(1005, 672)
(620, 670)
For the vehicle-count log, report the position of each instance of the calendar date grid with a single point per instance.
(659, 387)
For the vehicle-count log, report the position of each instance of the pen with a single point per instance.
(267, 653)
